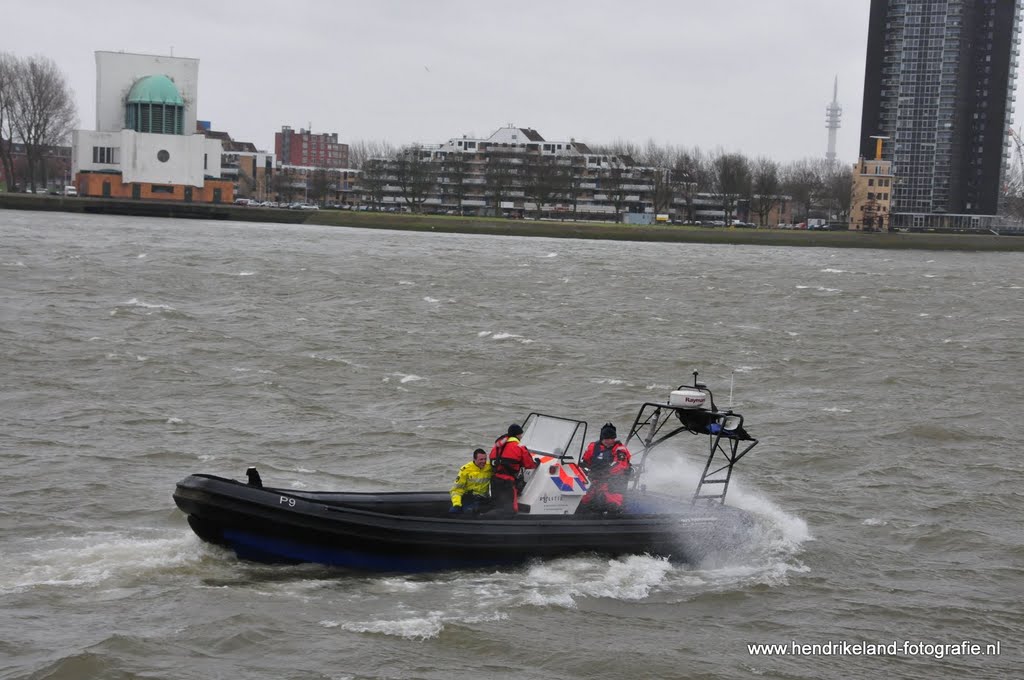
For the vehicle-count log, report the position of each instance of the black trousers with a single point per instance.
(503, 492)
(475, 503)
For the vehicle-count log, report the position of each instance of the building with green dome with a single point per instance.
(145, 145)
(155, 105)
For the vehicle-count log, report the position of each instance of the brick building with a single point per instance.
(250, 169)
(303, 148)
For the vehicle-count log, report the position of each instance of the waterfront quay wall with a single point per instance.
(518, 227)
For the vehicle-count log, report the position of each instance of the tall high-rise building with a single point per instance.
(940, 81)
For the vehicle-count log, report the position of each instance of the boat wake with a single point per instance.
(766, 552)
(96, 559)
(767, 558)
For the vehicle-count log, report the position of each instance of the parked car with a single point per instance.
(70, 191)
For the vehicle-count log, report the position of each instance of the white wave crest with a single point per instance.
(135, 302)
(627, 578)
(402, 377)
(511, 336)
(415, 628)
(94, 558)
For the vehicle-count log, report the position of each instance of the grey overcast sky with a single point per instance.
(746, 75)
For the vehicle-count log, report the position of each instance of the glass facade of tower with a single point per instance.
(939, 82)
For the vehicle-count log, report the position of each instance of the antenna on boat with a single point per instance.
(732, 377)
(696, 383)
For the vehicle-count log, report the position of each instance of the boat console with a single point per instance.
(557, 485)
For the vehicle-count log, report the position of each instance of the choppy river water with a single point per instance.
(885, 388)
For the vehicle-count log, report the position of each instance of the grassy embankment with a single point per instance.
(507, 227)
(667, 233)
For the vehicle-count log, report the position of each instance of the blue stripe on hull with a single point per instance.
(257, 548)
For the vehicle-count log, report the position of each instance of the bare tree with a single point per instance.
(374, 179)
(500, 171)
(1011, 204)
(319, 185)
(766, 186)
(614, 185)
(803, 181)
(284, 185)
(691, 176)
(543, 180)
(363, 150)
(456, 170)
(656, 155)
(8, 76)
(619, 147)
(730, 173)
(572, 177)
(246, 184)
(838, 191)
(414, 171)
(44, 110)
(664, 190)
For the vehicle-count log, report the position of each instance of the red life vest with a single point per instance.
(509, 457)
(606, 461)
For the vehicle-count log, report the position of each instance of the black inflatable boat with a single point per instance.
(413, 531)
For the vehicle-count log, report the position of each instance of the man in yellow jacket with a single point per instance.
(472, 483)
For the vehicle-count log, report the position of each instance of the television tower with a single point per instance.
(832, 115)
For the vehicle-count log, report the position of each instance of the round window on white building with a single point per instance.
(162, 155)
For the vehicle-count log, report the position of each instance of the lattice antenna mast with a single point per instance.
(833, 114)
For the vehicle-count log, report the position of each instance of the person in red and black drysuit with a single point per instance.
(607, 462)
(509, 457)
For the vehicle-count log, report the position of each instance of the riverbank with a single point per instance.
(669, 233)
(509, 227)
(114, 206)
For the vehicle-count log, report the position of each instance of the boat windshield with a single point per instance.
(554, 436)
